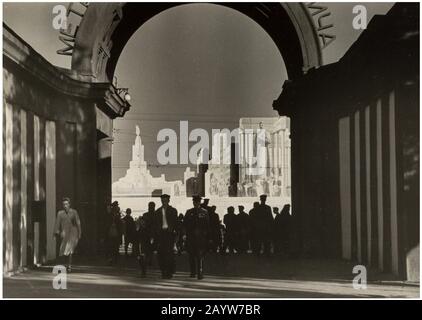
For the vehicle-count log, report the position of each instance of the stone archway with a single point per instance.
(106, 28)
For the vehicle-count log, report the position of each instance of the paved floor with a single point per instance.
(237, 276)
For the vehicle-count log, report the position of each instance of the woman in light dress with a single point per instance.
(68, 229)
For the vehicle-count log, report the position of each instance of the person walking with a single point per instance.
(231, 229)
(114, 230)
(165, 233)
(284, 226)
(68, 230)
(149, 246)
(143, 242)
(129, 232)
(197, 226)
(264, 220)
(243, 223)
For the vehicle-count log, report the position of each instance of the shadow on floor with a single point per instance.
(226, 277)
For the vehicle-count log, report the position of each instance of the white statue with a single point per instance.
(138, 136)
(263, 153)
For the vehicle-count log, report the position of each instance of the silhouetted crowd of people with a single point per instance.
(197, 232)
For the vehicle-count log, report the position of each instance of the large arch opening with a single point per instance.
(212, 68)
(105, 29)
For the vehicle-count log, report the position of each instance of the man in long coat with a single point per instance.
(197, 226)
(230, 221)
(148, 246)
(130, 232)
(264, 220)
(165, 236)
(243, 224)
(145, 238)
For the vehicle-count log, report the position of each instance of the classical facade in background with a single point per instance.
(274, 178)
(217, 176)
(247, 179)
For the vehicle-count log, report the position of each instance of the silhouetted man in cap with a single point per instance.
(231, 228)
(114, 230)
(148, 243)
(145, 236)
(129, 232)
(197, 226)
(282, 232)
(243, 225)
(166, 227)
(264, 221)
(143, 241)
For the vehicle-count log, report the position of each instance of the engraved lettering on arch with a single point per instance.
(68, 50)
(105, 47)
(320, 15)
(74, 15)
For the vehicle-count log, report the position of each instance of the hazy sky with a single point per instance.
(203, 63)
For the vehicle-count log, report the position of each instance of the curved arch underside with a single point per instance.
(107, 27)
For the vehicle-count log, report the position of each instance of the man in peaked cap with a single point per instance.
(264, 220)
(197, 226)
(165, 233)
(244, 227)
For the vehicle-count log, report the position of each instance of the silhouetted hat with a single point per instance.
(163, 196)
(263, 196)
(115, 203)
(196, 197)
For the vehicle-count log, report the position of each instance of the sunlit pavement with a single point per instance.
(236, 276)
